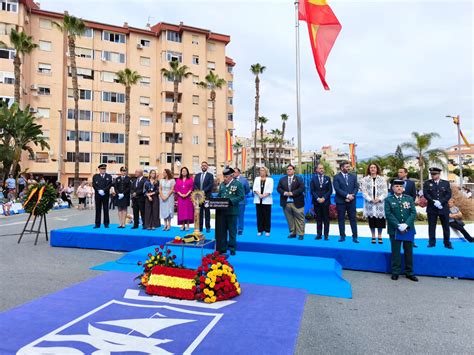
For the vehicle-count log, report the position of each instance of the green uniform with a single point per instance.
(400, 210)
(235, 193)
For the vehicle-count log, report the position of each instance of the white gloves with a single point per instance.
(402, 227)
(438, 204)
(101, 192)
(120, 196)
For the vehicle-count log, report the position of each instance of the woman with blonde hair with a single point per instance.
(263, 189)
(166, 193)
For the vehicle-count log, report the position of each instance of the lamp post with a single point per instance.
(60, 145)
(457, 122)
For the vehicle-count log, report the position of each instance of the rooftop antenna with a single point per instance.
(148, 26)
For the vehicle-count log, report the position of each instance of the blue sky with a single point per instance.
(397, 66)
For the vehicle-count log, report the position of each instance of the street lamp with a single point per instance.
(456, 121)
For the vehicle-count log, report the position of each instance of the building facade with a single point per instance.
(102, 51)
(467, 158)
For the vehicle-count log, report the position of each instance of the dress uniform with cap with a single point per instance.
(102, 182)
(234, 191)
(437, 192)
(400, 213)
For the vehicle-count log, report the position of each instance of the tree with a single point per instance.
(128, 78)
(22, 130)
(213, 82)
(73, 27)
(237, 146)
(23, 44)
(420, 147)
(256, 70)
(275, 140)
(262, 120)
(284, 118)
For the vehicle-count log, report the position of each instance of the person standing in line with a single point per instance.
(437, 192)
(374, 190)
(346, 187)
(184, 188)
(409, 186)
(263, 200)
(10, 184)
(122, 186)
(167, 185)
(138, 199)
(321, 190)
(240, 178)
(400, 212)
(455, 220)
(21, 183)
(152, 204)
(291, 189)
(81, 195)
(204, 181)
(102, 182)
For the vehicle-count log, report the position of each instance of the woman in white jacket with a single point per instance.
(374, 189)
(263, 200)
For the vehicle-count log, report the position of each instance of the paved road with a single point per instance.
(434, 316)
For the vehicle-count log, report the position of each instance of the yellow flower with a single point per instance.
(212, 284)
(214, 267)
(211, 293)
(152, 258)
(207, 300)
(238, 291)
(237, 285)
(219, 264)
(213, 299)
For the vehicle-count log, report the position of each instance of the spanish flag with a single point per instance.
(457, 121)
(352, 154)
(323, 28)
(244, 159)
(228, 145)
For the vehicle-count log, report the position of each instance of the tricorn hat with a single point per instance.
(227, 171)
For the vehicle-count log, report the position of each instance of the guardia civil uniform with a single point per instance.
(400, 210)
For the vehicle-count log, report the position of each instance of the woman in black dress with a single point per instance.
(122, 195)
(152, 205)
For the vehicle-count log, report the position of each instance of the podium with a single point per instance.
(220, 205)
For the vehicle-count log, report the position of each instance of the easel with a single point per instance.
(42, 219)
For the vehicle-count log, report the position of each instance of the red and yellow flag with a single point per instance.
(352, 154)
(323, 28)
(228, 146)
(456, 121)
(244, 159)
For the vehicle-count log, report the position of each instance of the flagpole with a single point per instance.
(457, 121)
(298, 109)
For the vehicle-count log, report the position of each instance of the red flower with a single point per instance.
(173, 257)
(162, 246)
(160, 253)
(202, 286)
(149, 254)
(156, 249)
(202, 279)
(168, 251)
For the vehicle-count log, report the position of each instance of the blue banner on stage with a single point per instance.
(407, 235)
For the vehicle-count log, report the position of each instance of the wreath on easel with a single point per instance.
(40, 199)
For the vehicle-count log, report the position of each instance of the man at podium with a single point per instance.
(233, 190)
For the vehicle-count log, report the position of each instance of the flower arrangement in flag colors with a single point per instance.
(172, 282)
(162, 257)
(216, 280)
(40, 199)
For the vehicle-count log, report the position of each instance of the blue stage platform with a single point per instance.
(365, 256)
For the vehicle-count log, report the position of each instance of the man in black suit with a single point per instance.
(437, 192)
(321, 190)
(291, 189)
(138, 198)
(102, 182)
(409, 187)
(204, 181)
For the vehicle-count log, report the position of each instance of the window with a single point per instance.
(174, 56)
(113, 57)
(178, 138)
(196, 59)
(144, 121)
(211, 65)
(5, 28)
(112, 117)
(113, 37)
(42, 112)
(210, 123)
(230, 69)
(115, 138)
(230, 85)
(195, 79)
(145, 81)
(44, 91)
(144, 101)
(211, 161)
(195, 39)
(110, 158)
(9, 5)
(230, 100)
(211, 46)
(44, 68)
(113, 96)
(45, 46)
(83, 94)
(84, 52)
(196, 163)
(209, 103)
(144, 140)
(7, 77)
(83, 157)
(83, 73)
(173, 36)
(177, 157)
(210, 142)
(46, 135)
(84, 136)
(195, 100)
(195, 139)
(230, 116)
(109, 77)
(89, 33)
(145, 61)
(145, 42)
(144, 161)
(195, 119)
(84, 115)
(46, 24)
(7, 53)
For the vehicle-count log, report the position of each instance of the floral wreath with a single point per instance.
(40, 199)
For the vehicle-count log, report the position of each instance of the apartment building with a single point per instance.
(102, 51)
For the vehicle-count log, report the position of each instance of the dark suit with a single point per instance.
(409, 189)
(293, 209)
(321, 187)
(344, 188)
(102, 202)
(440, 191)
(138, 200)
(206, 185)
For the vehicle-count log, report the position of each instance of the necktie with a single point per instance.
(346, 177)
(290, 180)
(321, 180)
(102, 176)
(202, 179)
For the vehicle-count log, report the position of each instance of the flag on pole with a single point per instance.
(457, 121)
(352, 154)
(323, 28)
(228, 145)
(244, 159)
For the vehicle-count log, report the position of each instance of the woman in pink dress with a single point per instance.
(183, 188)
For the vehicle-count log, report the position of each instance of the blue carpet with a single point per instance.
(102, 315)
(319, 276)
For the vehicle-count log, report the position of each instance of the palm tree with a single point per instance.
(213, 83)
(176, 73)
(275, 140)
(23, 44)
(22, 130)
(73, 27)
(420, 147)
(262, 120)
(127, 78)
(237, 146)
(284, 118)
(256, 70)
